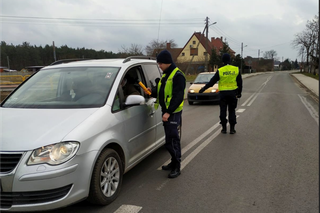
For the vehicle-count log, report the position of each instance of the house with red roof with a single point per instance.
(196, 52)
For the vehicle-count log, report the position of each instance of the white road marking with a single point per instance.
(240, 110)
(314, 114)
(128, 209)
(254, 98)
(163, 184)
(194, 153)
(255, 95)
(194, 142)
(198, 149)
(248, 99)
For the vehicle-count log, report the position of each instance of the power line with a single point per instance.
(27, 18)
(216, 28)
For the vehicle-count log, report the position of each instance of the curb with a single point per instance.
(312, 94)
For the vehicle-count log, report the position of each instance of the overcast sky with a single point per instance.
(112, 24)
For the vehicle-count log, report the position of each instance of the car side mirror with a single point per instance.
(135, 100)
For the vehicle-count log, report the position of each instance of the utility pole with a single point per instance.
(206, 56)
(54, 51)
(242, 56)
(207, 40)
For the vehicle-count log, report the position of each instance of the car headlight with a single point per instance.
(54, 154)
(191, 91)
(213, 90)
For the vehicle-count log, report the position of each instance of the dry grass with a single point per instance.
(4, 94)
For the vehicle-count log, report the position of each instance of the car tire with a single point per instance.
(106, 178)
(190, 102)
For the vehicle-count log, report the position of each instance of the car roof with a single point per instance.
(115, 62)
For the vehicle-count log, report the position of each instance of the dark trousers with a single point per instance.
(173, 138)
(228, 101)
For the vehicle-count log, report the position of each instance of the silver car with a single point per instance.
(70, 132)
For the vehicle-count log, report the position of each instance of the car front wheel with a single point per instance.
(106, 178)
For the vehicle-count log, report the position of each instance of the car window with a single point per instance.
(129, 85)
(116, 103)
(81, 87)
(153, 74)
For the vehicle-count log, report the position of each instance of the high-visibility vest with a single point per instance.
(228, 77)
(168, 91)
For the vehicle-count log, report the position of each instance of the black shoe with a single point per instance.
(232, 130)
(167, 167)
(224, 129)
(174, 173)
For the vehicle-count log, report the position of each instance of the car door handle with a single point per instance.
(152, 113)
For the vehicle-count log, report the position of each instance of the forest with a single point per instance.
(17, 57)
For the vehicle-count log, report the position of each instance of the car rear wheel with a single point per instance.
(106, 178)
(190, 102)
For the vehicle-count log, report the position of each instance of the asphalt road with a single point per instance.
(270, 165)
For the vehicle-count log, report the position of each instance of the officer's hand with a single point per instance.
(201, 90)
(165, 117)
(238, 96)
(148, 89)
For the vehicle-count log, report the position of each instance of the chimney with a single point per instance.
(168, 46)
(221, 38)
(212, 39)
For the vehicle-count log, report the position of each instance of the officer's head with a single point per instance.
(164, 59)
(226, 59)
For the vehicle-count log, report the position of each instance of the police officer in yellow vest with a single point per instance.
(230, 87)
(170, 96)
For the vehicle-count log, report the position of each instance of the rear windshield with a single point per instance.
(83, 87)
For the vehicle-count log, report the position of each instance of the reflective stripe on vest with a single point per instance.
(228, 77)
(168, 91)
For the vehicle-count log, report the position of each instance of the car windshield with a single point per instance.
(203, 78)
(81, 87)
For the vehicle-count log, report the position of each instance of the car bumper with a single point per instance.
(203, 97)
(45, 187)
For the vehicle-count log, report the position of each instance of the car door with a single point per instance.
(153, 75)
(139, 120)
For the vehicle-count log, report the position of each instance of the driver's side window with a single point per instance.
(129, 85)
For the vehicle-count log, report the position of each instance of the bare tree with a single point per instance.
(271, 54)
(307, 41)
(134, 49)
(155, 44)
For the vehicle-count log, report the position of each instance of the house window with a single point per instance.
(193, 42)
(182, 54)
(194, 51)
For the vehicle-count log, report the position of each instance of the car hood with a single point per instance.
(27, 129)
(197, 87)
